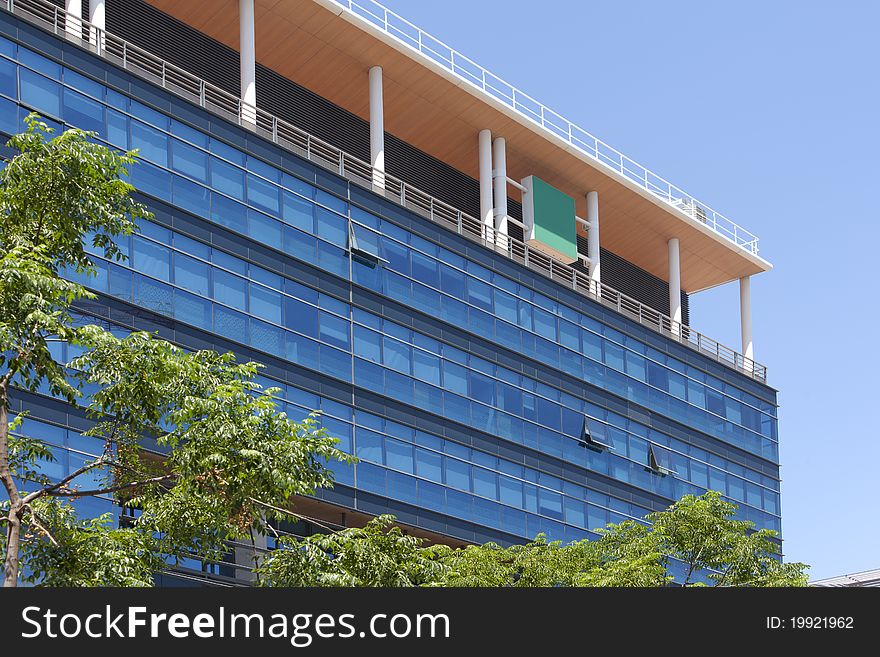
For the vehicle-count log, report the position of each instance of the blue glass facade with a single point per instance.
(459, 378)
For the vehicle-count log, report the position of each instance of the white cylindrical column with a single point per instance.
(499, 156)
(674, 286)
(73, 20)
(98, 19)
(745, 316)
(486, 207)
(247, 50)
(377, 127)
(593, 240)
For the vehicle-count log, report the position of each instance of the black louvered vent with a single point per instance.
(149, 28)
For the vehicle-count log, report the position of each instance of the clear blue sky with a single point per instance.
(767, 111)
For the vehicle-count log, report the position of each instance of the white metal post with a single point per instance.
(745, 316)
(674, 285)
(499, 156)
(593, 240)
(98, 19)
(377, 128)
(486, 207)
(247, 50)
(73, 20)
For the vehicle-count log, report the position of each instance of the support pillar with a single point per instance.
(377, 128)
(499, 156)
(745, 315)
(674, 286)
(73, 19)
(487, 209)
(98, 19)
(593, 241)
(247, 50)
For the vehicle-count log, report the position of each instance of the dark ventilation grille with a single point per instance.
(634, 281)
(180, 44)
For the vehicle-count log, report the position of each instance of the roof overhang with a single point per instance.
(328, 50)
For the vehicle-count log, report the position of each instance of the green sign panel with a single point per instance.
(549, 220)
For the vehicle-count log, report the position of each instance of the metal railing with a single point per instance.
(196, 90)
(468, 70)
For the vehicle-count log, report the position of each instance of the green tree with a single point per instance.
(379, 554)
(230, 459)
(699, 531)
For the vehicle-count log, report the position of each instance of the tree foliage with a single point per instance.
(229, 460)
(698, 532)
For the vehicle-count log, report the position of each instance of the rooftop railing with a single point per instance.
(194, 89)
(469, 71)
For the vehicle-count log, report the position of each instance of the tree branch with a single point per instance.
(49, 490)
(43, 528)
(112, 489)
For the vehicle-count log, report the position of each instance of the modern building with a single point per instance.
(489, 304)
(869, 578)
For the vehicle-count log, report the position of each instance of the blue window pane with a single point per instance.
(545, 323)
(455, 378)
(120, 282)
(658, 376)
(397, 256)
(332, 259)
(151, 143)
(301, 349)
(189, 160)
(425, 270)
(265, 303)
(426, 367)
(367, 344)
(190, 196)
(298, 211)
(152, 295)
(458, 474)
(550, 503)
(397, 355)
(299, 245)
(191, 274)
(151, 259)
(614, 356)
(481, 388)
(334, 362)
(192, 309)
(83, 112)
(9, 117)
(227, 178)
(262, 194)
(264, 229)
(230, 289)
(8, 86)
(510, 491)
(149, 115)
(40, 93)
(266, 337)
(429, 465)
(300, 317)
(369, 445)
(331, 227)
(371, 478)
(151, 179)
(399, 455)
(334, 330)
(230, 324)
(117, 129)
(229, 213)
(479, 293)
(485, 483)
